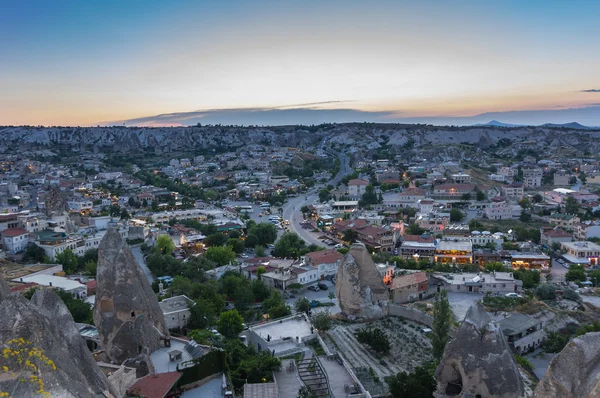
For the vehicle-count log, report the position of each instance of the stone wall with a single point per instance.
(411, 314)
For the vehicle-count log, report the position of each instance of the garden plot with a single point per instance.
(409, 348)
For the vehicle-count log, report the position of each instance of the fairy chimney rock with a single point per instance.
(359, 286)
(478, 361)
(574, 372)
(129, 320)
(46, 324)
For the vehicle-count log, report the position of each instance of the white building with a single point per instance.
(176, 311)
(76, 288)
(15, 240)
(498, 211)
(461, 178)
(532, 177)
(80, 205)
(513, 191)
(586, 253)
(497, 177)
(357, 188)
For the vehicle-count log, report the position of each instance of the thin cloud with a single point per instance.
(591, 90)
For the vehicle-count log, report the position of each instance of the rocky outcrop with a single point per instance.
(574, 372)
(129, 320)
(47, 325)
(359, 286)
(4, 290)
(478, 361)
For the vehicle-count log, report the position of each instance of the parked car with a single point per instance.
(513, 295)
(322, 286)
(314, 288)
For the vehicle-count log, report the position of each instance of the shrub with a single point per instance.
(546, 292)
(374, 338)
(524, 362)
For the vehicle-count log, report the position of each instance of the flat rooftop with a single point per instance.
(581, 245)
(174, 304)
(454, 244)
(283, 332)
(189, 351)
(51, 280)
(517, 323)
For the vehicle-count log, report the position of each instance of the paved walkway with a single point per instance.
(287, 382)
(337, 375)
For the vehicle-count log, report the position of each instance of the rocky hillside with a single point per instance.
(363, 136)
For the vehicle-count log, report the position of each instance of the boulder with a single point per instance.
(574, 372)
(478, 361)
(129, 320)
(359, 286)
(46, 324)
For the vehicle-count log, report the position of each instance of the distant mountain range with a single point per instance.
(572, 125)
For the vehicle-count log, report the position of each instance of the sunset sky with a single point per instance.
(90, 62)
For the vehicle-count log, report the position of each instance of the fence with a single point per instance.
(411, 314)
(209, 364)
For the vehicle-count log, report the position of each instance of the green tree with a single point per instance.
(259, 251)
(442, 318)
(465, 196)
(324, 195)
(524, 217)
(576, 273)
(456, 215)
(216, 239)
(79, 309)
(322, 320)
(91, 268)
(524, 203)
(546, 292)
(331, 295)
(414, 229)
(571, 205)
(537, 198)
(264, 233)
(34, 253)
(230, 324)
(489, 267)
(531, 278)
(480, 195)
(220, 255)
(289, 245)
(374, 338)
(68, 260)
(302, 305)
(260, 290)
(244, 297)
(125, 215)
(369, 197)
(418, 384)
(164, 244)
(237, 245)
(350, 235)
(260, 270)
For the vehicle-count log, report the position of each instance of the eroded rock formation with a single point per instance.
(46, 323)
(4, 290)
(574, 372)
(129, 320)
(359, 286)
(478, 361)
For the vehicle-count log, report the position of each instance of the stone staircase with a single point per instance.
(314, 377)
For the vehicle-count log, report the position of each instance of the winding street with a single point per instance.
(291, 209)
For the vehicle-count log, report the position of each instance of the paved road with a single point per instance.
(291, 211)
(137, 253)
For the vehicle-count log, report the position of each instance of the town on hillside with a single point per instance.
(350, 260)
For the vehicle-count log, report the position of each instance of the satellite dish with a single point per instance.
(510, 231)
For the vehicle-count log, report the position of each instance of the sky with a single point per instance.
(285, 62)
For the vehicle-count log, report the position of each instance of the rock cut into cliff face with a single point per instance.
(359, 286)
(478, 361)
(45, 322)
(574, 372)
(129, 320)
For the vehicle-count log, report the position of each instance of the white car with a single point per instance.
(513, 295)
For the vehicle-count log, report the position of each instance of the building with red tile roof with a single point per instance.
(155, 385)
